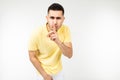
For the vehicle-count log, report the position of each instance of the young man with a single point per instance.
(49, 42)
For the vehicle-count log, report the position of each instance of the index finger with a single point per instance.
(53, 28)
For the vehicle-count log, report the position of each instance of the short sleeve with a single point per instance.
(33, 41)
(67, 37)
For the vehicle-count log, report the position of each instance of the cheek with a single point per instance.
(50, 22)
(60, 23)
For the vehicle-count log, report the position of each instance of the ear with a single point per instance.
(47, 17)
(63, 18)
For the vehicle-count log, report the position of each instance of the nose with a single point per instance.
(55, 21)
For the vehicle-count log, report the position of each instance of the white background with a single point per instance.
(95, 29)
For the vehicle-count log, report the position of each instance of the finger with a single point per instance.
(53, 28)
(53, 37)
(50, 33)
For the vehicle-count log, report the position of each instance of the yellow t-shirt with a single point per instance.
(49, 52)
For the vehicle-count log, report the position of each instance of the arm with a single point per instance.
(37, 65)
(66, 47)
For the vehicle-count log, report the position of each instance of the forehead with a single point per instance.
(55, 13)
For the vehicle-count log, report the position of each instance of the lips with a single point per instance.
(55, 27)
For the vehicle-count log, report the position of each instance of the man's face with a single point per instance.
(55, 19)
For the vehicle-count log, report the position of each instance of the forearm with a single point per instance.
(38, 66)
(66, 50)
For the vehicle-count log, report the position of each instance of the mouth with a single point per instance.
(55, 28)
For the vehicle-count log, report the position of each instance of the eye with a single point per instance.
(52, 17)
(58, 18)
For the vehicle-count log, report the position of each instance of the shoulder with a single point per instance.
(65, 27)
(37, 30)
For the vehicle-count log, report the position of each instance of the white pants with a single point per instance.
(58, 76)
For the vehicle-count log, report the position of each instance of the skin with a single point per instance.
(55, 20)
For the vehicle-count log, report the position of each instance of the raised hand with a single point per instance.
(53, 34)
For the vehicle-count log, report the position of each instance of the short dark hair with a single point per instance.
(56, 7)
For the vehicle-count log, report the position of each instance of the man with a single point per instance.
(49, 42)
